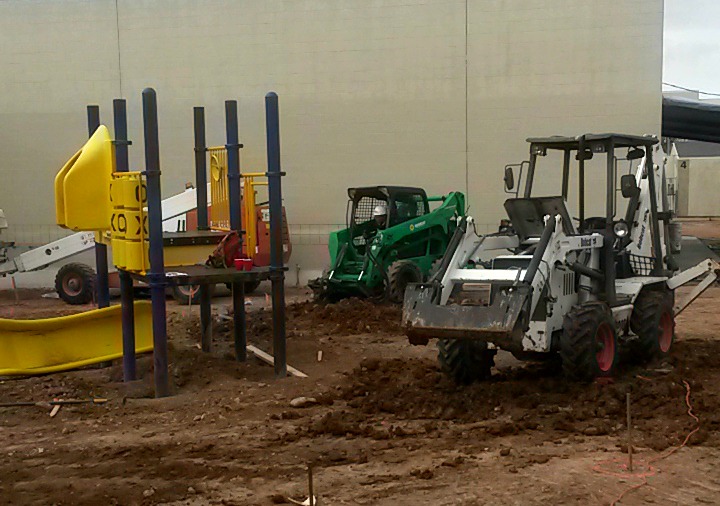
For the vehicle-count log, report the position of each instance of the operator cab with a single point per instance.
(402, 203)
(527, 211)
(581, 149)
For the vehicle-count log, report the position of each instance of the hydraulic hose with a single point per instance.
(386, 292)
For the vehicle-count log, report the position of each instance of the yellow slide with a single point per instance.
(67, 342)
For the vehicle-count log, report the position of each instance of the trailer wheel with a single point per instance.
(189, 294)
(400, 274)
(464, 360)
(653, 321)
(588, 346)
(250, 286)
(75, 283)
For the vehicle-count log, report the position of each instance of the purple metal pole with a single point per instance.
(101, 252)
(156, 276)
(272, 126)
(203, 221)
(126, 283)
(233, 159)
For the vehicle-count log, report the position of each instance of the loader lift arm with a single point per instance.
(709, 267)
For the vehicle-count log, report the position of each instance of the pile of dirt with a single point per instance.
(538, 397)
(345, 318)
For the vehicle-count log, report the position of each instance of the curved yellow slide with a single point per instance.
(58, 344)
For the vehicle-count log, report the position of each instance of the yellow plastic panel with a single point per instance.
(68, 342)
(82, 187)
(136, 256)
(118, 253)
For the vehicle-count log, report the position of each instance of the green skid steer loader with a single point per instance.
(375, 260)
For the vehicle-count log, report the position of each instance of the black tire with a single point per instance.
(75, 283)
(588, 346)
(183, 294)
(400, 274)
(251, 286)
(653, 321)
(465, 361)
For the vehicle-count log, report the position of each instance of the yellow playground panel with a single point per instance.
(220, 197)
(68, 342)
(82, 187)
(90, 195)
(128, 224)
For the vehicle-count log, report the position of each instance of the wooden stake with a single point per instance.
(269, 359)
(629, 436)
(311, 498)
(15, 292)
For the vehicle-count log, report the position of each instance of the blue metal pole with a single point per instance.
(272, 125)
(101, 255)
(126, 283)
(156, 276)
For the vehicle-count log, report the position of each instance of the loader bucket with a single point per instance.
(425, 318)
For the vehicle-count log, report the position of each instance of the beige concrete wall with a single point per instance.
(370, 92)
(697, 189)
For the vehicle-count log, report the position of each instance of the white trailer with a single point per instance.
(74, 285)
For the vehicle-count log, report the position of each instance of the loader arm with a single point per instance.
(711, 270)
(434, 309)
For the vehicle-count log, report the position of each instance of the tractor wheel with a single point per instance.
(588, 346)
(653, 321)
(188, 294)
(251, 286)
(465, 360)
(400, 274)
(75, 283)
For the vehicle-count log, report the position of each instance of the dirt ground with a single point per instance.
(387, 428)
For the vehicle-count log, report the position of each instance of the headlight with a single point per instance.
(621, 229)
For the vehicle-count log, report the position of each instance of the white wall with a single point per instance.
(439, 94)
(698, 180)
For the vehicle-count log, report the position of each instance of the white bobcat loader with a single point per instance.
(578, 287)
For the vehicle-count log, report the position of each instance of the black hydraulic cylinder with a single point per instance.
(453, 244)
(101, 250)
(272, 126)
(157, 267)
(587, 271)
(126, 283)
(539, 250)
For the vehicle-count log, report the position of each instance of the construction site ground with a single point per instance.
(386, 427)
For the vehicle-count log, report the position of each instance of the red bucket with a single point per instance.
(243, 264)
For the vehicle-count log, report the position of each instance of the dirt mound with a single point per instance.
(345, 318)
(537, 397)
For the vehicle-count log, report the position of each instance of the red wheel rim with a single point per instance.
(605, 341)
(666, 332)
(72, 284)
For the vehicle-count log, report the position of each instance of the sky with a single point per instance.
(691, 56)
